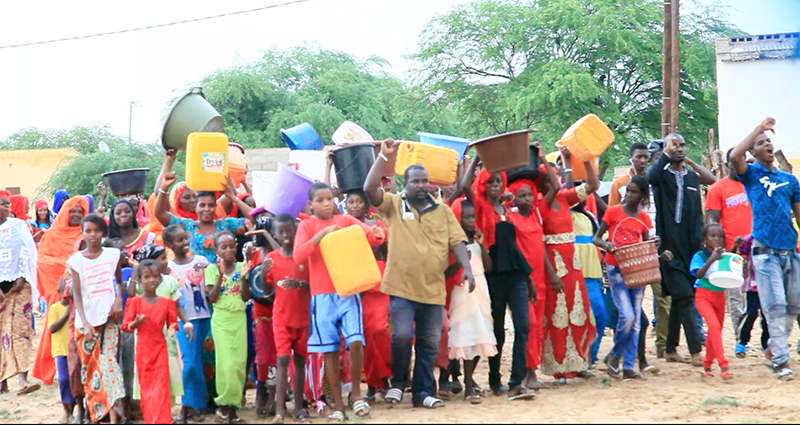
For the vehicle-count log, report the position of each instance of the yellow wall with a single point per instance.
(30, 169)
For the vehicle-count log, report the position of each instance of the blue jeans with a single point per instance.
(194, 381)
(629, 307)
(509, 290)
(424, 321)
(594, 288)
(778, 278)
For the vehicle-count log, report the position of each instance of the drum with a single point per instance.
(727, 271)
(254, 282)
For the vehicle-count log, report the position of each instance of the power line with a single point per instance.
(80, 37)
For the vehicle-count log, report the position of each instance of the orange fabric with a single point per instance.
(154, 226)
(44, 366)
(56, 246)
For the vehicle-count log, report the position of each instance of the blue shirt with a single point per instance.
(698, 261)
(203, 245)
(771, 195)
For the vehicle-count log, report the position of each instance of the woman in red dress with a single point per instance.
(569, 327)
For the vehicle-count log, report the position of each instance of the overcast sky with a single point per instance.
(93, 81)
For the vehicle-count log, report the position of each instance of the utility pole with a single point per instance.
(670, 68)
(130, 122)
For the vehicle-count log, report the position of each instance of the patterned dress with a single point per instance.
(569, 325)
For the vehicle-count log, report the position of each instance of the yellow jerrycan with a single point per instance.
(350, 261)
(206, 161)
(441, 163)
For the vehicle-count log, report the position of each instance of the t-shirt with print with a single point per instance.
(230, 294)
(624, 230)
(291, 307)
(98, 285)
(729, 198)
(204, 244)
(771, 194)
(59, 341)
(698, 261)
(192, 287)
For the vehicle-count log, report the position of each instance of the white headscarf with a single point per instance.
(18, 254)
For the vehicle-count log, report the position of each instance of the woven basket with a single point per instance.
(639, 264)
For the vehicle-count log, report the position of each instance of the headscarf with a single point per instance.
(58, 200)
(113, 227)
(90, 200)
(175, 199)
(36, 207)
(56, 247)
(5, 194)
(149, 252)
(519, 184)
(20, 206)
(154, 226)
(484, 212)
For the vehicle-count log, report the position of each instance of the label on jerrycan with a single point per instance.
(214, 162)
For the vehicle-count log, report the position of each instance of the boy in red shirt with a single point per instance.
(332, 315)
(290, 315)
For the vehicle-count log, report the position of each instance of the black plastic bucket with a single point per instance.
(531, 172)
(352, 164)
(127, 182)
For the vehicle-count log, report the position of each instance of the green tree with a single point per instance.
(324, 88)
(80, 175)
(504, 65)
(85, 140)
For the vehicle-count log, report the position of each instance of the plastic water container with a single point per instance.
(262, 185)
(352, 164)
(587, 138)
(302, 137)
(578, 170)
(289, 192)
(237, 163)
(531, 171)
(350, 132)
(457, 144)
(503, 152)
(350, 261)
(727, 271)
(311, 163)
(207, 161)
(441, 163)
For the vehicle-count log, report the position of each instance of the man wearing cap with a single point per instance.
(679, 223)
(640, 157)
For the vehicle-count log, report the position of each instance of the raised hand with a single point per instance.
(169, 179)
(768, 124)
(378, 232)
(101, 189)
(388, 147)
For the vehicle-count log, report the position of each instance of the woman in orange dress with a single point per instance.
(569, 326)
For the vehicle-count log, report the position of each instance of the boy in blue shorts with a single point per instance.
(332, 316)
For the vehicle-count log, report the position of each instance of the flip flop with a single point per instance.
(302, 417)
(474, 399)
(361, 408)
(337, 417)
(30, 388)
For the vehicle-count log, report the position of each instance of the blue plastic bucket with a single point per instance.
(457, 144)
(302, 137)
(289, 192)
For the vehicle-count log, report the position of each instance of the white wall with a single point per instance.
(749, 91)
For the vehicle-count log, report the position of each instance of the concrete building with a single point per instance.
(26, 171)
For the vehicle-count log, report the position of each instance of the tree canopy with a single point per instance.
(504, 65)
(85, 140)
(324, 88)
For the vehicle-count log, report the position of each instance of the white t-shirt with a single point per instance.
(193, 288)
(98, 285)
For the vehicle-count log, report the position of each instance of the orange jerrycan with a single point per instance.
(206, 161)
(587, 138)
(441, 163)
(350, 261)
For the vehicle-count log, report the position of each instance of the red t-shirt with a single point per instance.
(259, 311)
(306, 252)
(729, 198)
(624, 230)
(291, 305)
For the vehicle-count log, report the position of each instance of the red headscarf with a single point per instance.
(519, 184)
(484, 212)
(176, 209)
(235, 209)
(20, 206)
(4, 194)
(40, 204)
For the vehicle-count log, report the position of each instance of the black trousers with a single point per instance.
(681, 313)
(753, 313)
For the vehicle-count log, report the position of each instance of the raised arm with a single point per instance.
(161, 208)
(706, 176)
(738, 154)
(468, 177)
(372, 186)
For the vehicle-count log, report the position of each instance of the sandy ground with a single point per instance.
(676, 395)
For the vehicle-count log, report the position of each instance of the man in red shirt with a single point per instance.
(727, 204)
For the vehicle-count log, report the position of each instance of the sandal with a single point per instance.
(519, 393)
(445, 394)
(676, 358)
(220, 417)
(651, 370)
(30, 388)
(303, 416)
(431, 403)
(278, 419)
(706, 374)
(473, 399)
(361, 408)
(394, 396)
(337, 417)
(726, 375)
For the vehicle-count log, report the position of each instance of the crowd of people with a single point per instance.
(194, 297)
